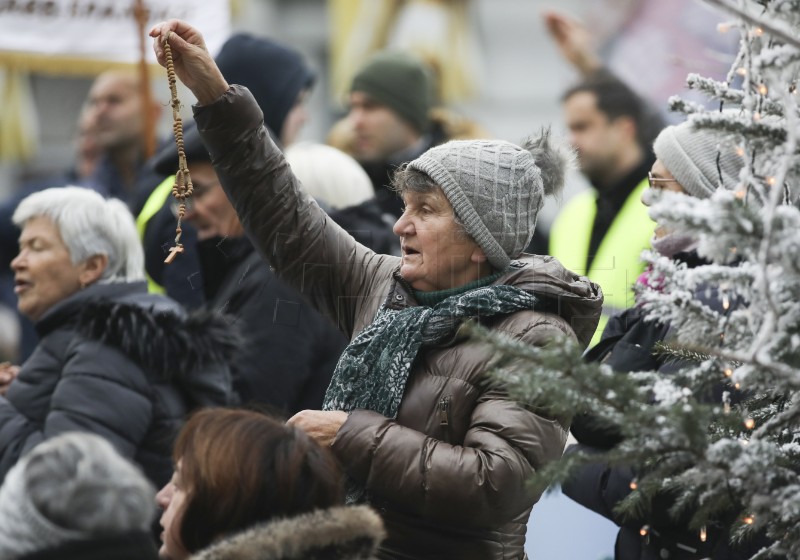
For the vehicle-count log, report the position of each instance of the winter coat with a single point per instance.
(627, 345)
(341, 533)
(289, 350)
(449, 473)
(123, 364)
(132, 546)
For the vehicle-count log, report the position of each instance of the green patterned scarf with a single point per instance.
(374, 368)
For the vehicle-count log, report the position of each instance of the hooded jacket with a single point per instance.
(342, 533)
(123, 364)
(449, 474)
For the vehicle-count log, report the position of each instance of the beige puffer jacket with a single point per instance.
(448, 475)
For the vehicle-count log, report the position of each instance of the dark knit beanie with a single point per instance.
(274, 74)
(497, 188)
(401, 82)
(696, 160)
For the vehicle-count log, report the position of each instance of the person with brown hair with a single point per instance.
(249, 487)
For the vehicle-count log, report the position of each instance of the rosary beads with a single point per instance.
(182, 189)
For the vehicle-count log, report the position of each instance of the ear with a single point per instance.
(627, 125)
(478, 256)
(92, 269)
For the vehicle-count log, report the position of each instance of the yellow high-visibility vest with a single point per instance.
(618, 263)
(154, 203)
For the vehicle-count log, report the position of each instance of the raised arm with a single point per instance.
(306, 248)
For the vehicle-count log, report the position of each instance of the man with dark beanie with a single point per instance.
(393, 119)
(390, 98)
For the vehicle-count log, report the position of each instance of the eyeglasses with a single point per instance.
(656, 182)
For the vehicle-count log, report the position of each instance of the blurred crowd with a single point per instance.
(297, 382)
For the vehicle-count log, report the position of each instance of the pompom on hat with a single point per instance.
(497, 188)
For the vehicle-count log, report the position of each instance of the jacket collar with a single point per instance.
(346, 533)
(68, 309)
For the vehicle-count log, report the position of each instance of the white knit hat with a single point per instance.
(696, 160)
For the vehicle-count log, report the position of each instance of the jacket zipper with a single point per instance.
(443, 409)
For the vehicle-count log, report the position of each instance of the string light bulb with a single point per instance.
(737, 386)
(742, 71)
(726, 303)
(644, 530)
(723, 27)
(703, 534)
(749, 423)
(739, 151)
(762, 89)
(758, 32)
(770, 181)
(728, 372)
(740, 194)
(748, 520)
(633, 484)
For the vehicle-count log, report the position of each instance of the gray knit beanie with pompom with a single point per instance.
(497, 188)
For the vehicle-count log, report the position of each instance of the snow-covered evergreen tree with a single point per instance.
(736, 460)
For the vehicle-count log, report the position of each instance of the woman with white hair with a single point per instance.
(74, 497)
(112, 359)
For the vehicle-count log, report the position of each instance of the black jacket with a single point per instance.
(131, 546)
(118, 362)
(289, 350)
(627, 345)
(368, 226)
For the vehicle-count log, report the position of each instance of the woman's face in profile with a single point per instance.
(43, 269)
(172, 498)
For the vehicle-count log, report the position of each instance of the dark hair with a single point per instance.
(241, 467)
(616, 99)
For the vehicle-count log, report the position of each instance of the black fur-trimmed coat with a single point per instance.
(340, 533)
(121, 363)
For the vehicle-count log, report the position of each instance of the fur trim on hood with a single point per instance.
(162, 342)
(340, 533)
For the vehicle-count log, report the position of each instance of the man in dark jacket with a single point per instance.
(289, 350)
